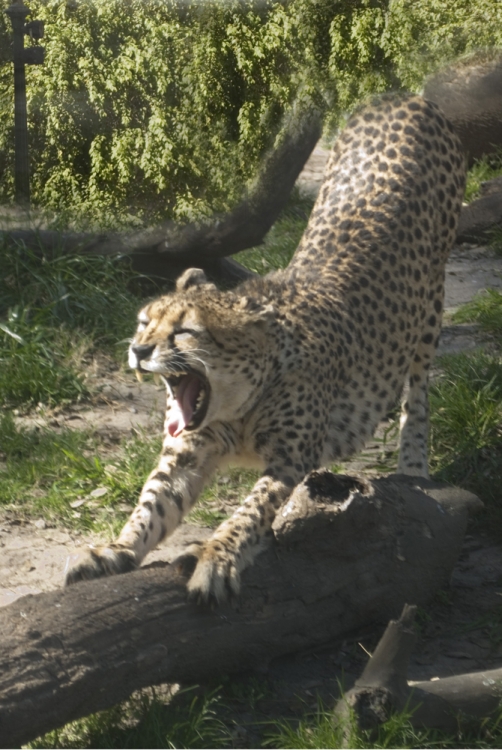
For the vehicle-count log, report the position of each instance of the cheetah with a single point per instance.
(295, 370)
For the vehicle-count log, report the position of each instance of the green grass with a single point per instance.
(54, 475)
(466, 424)
(485, 309)
(54, 312)
(226, 489)
(87, 293)
(466, 410)
(147, 721)
(320, 730)
(39, 363)
(281, 241)
(196, 718)
(71, 478)
(484, 169)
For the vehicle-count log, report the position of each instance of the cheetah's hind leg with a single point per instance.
(414, 423)
(413, 453)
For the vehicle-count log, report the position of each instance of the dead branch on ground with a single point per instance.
(445, 704)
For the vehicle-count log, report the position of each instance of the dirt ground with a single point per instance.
(461, 629)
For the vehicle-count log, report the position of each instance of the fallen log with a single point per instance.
(166, 251)
(480, 218)
(346, 553)
(469, 93)
(446, 704)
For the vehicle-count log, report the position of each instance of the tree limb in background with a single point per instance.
(167, 250)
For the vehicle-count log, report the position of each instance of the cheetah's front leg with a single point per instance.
(168, 494)
(236, 542)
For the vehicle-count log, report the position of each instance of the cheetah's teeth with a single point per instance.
(139, 376)
(157, 379)
(200, 399)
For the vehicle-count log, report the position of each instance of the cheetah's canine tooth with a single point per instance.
(157, 379)
(139, 375)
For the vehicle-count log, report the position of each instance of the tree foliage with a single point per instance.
(163, 108)
(421, 36)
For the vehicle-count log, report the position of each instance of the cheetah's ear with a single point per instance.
(191, 278)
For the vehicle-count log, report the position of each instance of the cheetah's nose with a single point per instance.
(142, 351)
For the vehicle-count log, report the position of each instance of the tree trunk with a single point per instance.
(479, 219)
(347, 553)
(168, 250)
(444, 704)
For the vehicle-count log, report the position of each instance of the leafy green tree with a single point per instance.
(149, 109)
(423, 36)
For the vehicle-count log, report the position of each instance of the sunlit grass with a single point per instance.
(196, 718)
(484, 169)
(40, 364)
(69, 478)
(466, 424)
(281, 241)
(147, 720)
(54, 311)
(84, 292)
(224, 491)
(485, 309)
(322, 730)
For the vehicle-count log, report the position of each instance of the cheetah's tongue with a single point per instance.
(183, 406)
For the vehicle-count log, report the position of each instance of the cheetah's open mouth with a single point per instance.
(190, 392)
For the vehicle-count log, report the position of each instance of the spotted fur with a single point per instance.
(294, 371)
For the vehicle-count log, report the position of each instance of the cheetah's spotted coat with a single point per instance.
(295, 370)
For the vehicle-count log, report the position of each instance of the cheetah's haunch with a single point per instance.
(295, 370)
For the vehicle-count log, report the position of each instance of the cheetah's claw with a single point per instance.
(216, 577)
(99, 562)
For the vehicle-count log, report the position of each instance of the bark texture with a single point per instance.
(479, 218)
(346, 553)
(470, 95)
(443, 704)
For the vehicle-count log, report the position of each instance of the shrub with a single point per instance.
(147, 109)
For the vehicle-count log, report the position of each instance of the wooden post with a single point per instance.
(17, 13)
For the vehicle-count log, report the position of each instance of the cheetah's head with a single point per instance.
(209, 347)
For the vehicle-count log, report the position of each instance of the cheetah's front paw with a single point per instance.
(98, 562)
(216, 575)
